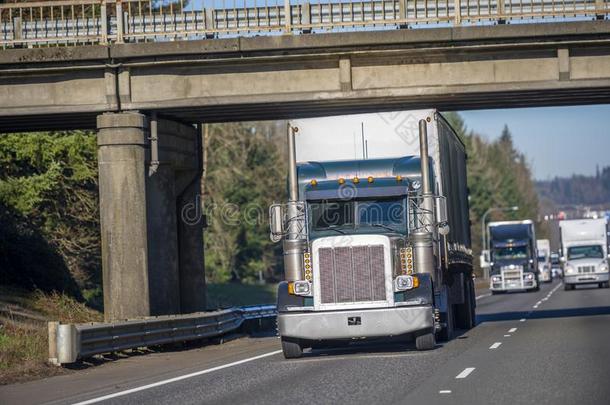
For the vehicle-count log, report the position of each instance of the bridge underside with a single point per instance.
(296, 76)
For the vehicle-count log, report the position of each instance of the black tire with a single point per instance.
(425, 342)
(607, 284)
(568, 287)
(291, 348)
(600, 285)
(465, 313)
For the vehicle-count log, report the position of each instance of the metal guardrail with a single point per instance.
(71, 342)
(71, 22)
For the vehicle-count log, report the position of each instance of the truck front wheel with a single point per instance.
(291, 348)
(425, 342)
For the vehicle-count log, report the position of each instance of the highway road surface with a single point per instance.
(547, 347)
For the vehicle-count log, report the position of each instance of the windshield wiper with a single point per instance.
(389, 228)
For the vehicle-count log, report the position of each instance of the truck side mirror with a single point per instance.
(276, 223)
(484, 258)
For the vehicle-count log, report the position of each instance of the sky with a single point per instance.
(558, 141)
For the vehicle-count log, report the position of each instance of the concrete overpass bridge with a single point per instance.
(146, 78)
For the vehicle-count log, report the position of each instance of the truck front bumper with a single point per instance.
(589, 278)
(354, 324)
(508, 286)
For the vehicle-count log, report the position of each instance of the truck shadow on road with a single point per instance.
(543, 314)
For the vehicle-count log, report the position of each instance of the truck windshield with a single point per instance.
(585, 252)
(510, 253)
(358, 216)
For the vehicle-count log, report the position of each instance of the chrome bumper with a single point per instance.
(351, 324)
(504, 286)
(586, 278)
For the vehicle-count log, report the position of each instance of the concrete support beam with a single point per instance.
(144, 244)
(345, 74)
(563, 56)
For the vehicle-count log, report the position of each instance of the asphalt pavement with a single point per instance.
(551, 346)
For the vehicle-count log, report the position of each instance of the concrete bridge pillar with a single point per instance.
(152, 255)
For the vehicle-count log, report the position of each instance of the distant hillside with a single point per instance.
(578, 189)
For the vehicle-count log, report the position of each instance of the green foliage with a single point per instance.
(498, 176)
(241, 181)
(48, 196)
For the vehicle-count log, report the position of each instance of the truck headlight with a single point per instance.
(403, 283)
(299, 288)
(603, 268)
(496, 279)
(528, 276)
(570, 270)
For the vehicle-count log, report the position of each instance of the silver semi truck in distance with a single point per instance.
(375, 233)
(584, 249)
(514, 261)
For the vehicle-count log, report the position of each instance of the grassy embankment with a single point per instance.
(23, 331)
(23, 328)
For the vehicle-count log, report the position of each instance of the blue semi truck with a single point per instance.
(375, 233)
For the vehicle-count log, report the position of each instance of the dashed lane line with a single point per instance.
(465, 373)
(495, 345)
(512, 330)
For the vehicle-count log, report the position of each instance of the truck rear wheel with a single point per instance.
(291, 348)
(465, 313)
(425, 342)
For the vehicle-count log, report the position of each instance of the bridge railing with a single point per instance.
(69, 22)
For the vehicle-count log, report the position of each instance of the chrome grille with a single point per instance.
(352, 274)
(586, 269)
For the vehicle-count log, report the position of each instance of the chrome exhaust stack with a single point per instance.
(423, 239)
(294, 240)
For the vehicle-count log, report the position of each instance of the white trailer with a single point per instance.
(544, 260)
(584, 249)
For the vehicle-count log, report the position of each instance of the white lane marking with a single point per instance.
(535, 306)
(465, 373)
(482, 296)
(512, 330)
(506, 335)
(495, 345)
(175, 379)
(444, 392)
(522, 320)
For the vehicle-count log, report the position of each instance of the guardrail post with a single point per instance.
(457, 11)
(287, 17)
(104, 23)
(68, 343)
(52, 331)
(120, 29)
(17, 29)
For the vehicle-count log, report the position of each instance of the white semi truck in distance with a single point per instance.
(544, 260)
(375, 233)
(584, 250)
